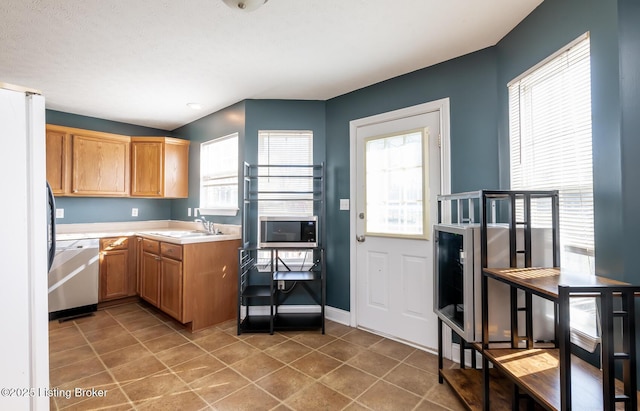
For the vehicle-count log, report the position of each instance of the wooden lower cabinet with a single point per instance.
(117, 268)
(171, 289)
(150, 278)
(194, 283)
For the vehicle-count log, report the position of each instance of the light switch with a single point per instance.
(59, 212)
(344, 204)
(134, 212)
(188, 211)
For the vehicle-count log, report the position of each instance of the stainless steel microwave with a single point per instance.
(288, 232)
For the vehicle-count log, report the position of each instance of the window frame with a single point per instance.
(585, 334)
(226, 209)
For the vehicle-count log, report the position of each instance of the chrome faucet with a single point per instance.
(207, 225)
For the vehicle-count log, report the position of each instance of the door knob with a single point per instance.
(360, 238)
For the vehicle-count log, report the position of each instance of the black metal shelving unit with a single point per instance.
(260, 269)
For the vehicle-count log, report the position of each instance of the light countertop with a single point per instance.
(171, 231)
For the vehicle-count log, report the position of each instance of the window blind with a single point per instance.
(551, 148)
(285, 148)
(550, 135)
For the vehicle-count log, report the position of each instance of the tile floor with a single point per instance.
(145, 361)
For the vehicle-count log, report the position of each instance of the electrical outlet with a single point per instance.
(280, 284)
(134, 212)
(189, 212)
(59, 212)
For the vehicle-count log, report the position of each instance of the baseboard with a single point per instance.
(335, 314)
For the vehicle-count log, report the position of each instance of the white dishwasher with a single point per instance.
(73, 278)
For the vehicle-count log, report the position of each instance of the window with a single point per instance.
(219, 176)
(394, 185)
(285, 148)
(550, 141)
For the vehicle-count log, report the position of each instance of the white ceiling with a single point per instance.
(142, 61)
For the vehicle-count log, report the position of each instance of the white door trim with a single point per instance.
(442, 106)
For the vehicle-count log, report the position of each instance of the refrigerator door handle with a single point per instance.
(52, 224)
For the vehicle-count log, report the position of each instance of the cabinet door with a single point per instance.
(114, 275)
(146, 169)
(176, 169)
(57, 144)
(171, 287)
(150, 278)
(100, 165)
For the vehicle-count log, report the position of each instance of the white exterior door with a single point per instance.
(397, 179)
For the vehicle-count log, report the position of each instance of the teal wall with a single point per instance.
(550, 27)
(100, 210)
(219, 124)
(470, 84)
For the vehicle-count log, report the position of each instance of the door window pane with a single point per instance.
(394, 184)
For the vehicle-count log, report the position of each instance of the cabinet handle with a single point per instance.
(170, 251)
(157, 258)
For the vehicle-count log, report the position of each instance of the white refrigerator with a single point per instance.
(24, 351)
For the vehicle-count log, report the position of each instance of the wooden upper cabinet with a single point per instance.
(87, 163)
(58, 157)
(100, 164)
(159, 167)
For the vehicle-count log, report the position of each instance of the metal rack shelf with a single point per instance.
(258, 283)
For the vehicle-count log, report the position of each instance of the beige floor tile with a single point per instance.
(110, 332)
(248, 398)
(349, 381)
(288, 351)
(75, 371)
(425, 361)
(180, 354)
(316, 364)
(218, 385)
(155, 363)
(392, 349)
(362, 338)
(183, 400)
(65, 396)
(117, 342)
(215, 341)
(317, 397)
(62, 358)
(284, 383)
(373, 363)
(257, 366)
(165, 342)
(154, 386)
(411, 379)
(387, 397)
(264, 341)
(341, 350)
(313, 340)
(137, 369)
(336, 329)
(198, 367)
(113, 399)
(98, 321)
(73, 340)
(150, 333)
(235, 352)
(125, 355)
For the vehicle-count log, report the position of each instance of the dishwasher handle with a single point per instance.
(51, 231)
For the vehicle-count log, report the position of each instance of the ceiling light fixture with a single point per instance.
(245, 5)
